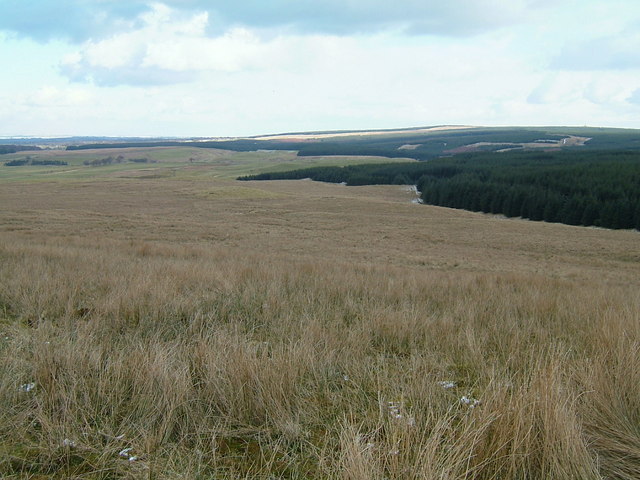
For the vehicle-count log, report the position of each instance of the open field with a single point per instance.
(163, 321)
(165, 161)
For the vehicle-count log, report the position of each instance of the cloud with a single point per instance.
(50, 96)
(126, 75)
(613, 52)
(613, 90)
(303, 65)
(168, 45)
(75, 20)
(634, 98)
(608, 89)
(557, 89)
(80, 20)
(168, 48)
(454, 17)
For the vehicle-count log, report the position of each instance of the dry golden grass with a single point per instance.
(305, 333)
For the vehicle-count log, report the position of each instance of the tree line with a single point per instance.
(6, 149)
(29, 161)
(101, 162)
(600, 188)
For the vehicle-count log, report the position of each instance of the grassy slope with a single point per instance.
(164, 161)
(300, 330)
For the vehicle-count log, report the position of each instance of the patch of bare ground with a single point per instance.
(165, 328)
(569, 141)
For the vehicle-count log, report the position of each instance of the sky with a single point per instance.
(211, 68)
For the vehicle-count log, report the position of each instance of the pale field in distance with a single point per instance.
(294, 329)
(166, 161)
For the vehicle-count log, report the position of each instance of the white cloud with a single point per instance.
(569, 88)
(233, 51)
(610, 89)
(50, 96)
(556, 89)
(167, 44)
(171, 47)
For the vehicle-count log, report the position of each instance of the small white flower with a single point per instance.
(470, 401)
(447, 384)
(27, 387)
(125, 452)
(68, 443)
(345, 378)
(133, 458)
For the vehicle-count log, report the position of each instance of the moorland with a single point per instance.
(160, 319)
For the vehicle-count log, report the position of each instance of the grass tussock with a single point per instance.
(149, 360)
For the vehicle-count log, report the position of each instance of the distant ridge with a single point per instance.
(348, 133)
(419, 143)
